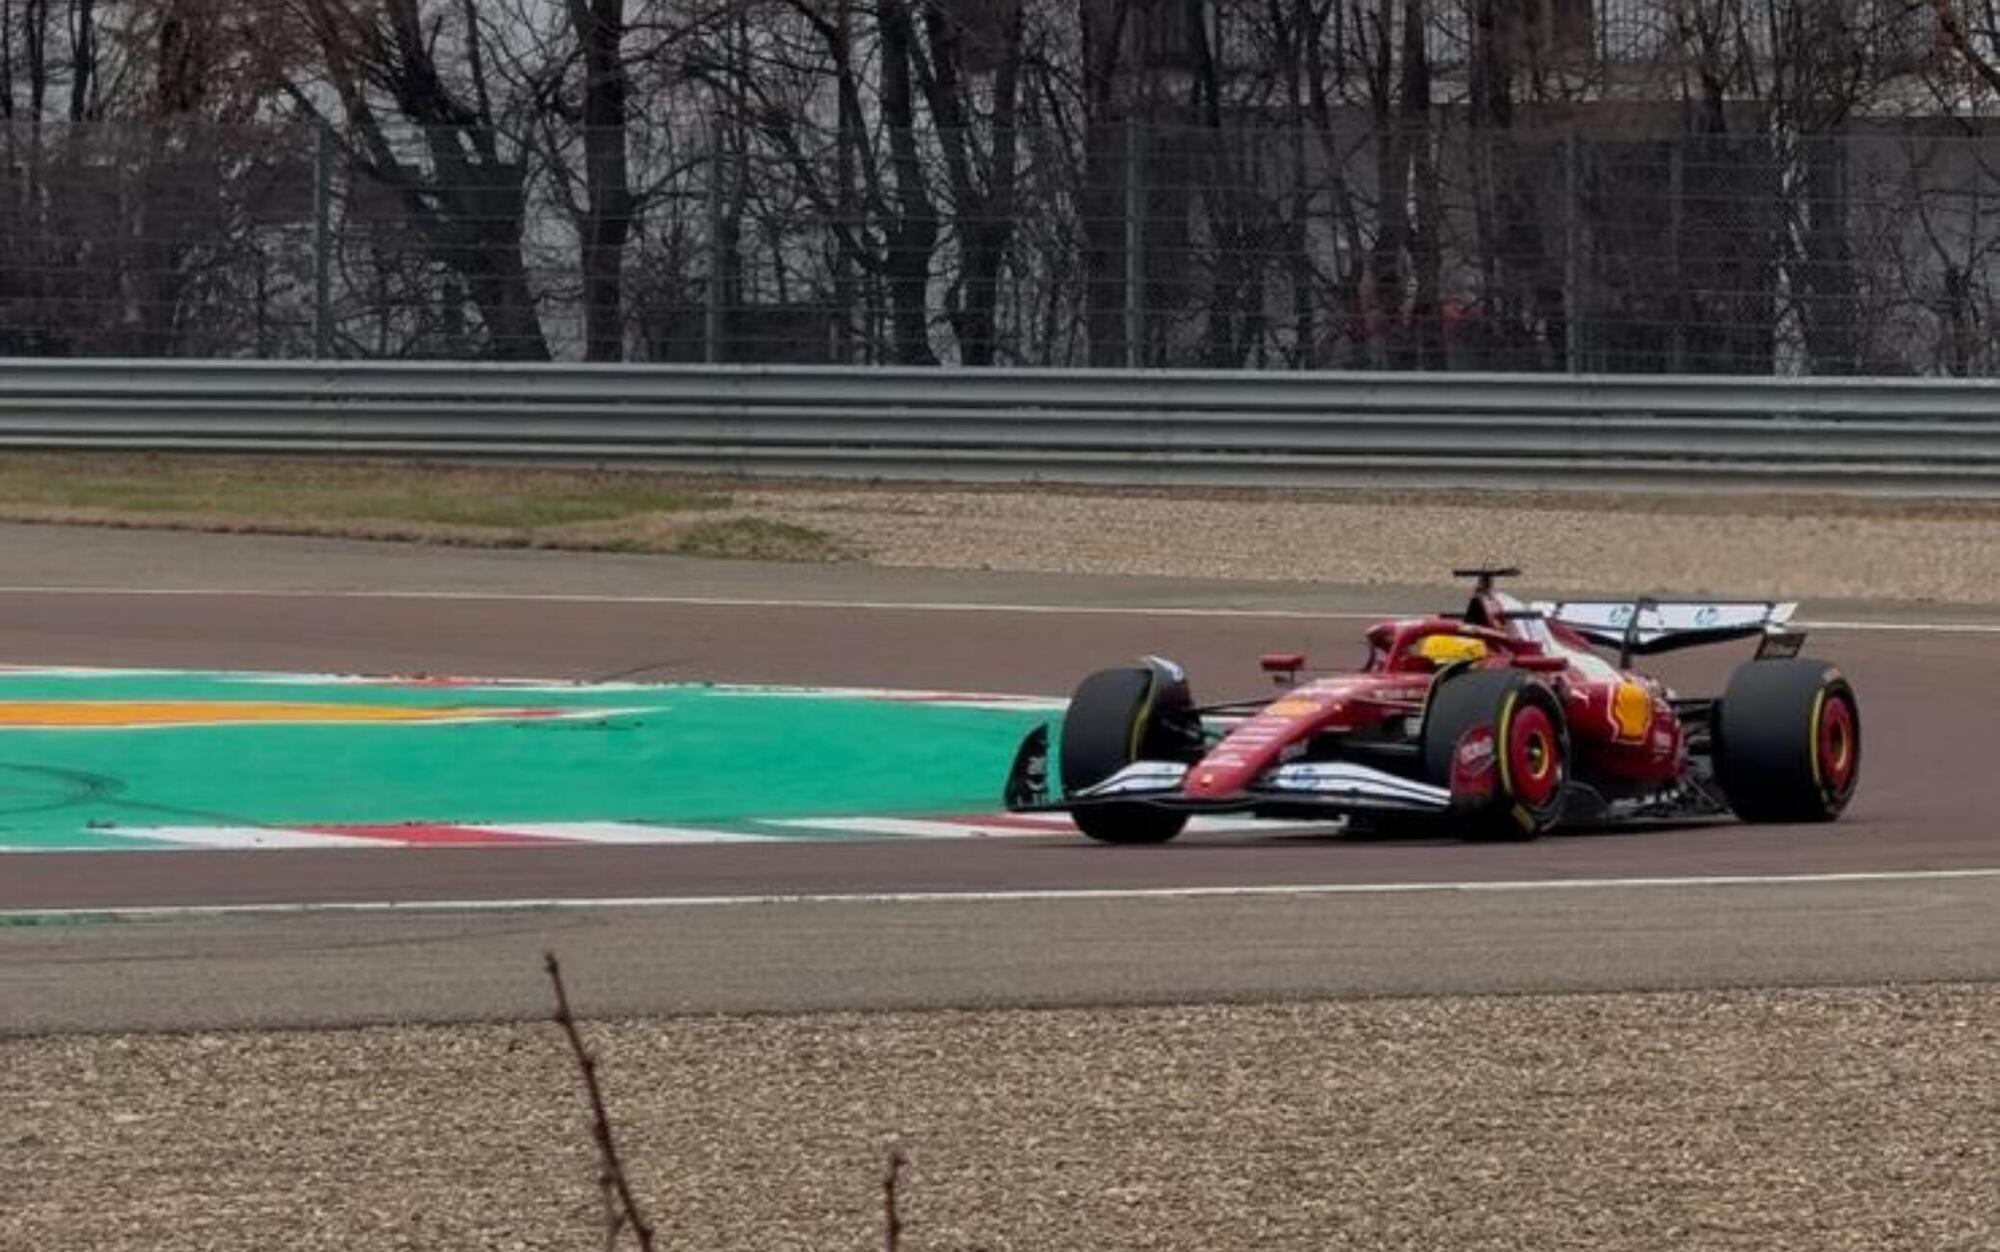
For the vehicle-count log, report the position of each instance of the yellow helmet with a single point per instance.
(1445, 649)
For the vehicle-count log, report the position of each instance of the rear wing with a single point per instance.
(1645, 626)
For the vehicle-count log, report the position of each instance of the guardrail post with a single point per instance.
(322, 242)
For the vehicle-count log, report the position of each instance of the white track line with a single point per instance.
(914, 606)
(194, 911)
(616, 832)
(908, 828)
(242, 838)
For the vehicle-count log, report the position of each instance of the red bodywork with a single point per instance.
(1622, 728)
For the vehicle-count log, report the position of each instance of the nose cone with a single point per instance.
(1215, 780)
(1256, 745)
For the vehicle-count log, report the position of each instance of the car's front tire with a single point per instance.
(1116, 717)
(1788, 741)
(1506, 732)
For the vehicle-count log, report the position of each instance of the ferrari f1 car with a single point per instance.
(1501, 722)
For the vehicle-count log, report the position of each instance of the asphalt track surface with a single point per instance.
(1903, 889)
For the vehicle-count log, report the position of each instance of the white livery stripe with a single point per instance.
(251, 838)
(1013, 825)
(1240, 825)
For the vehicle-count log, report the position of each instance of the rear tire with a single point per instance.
(1526, 752)
(1116, 717)
(1788, 741)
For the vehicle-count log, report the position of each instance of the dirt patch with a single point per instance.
(1639, 545)
(758, 539)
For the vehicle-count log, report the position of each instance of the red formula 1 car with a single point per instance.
(1501, 722)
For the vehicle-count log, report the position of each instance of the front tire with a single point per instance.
(1504, 735)
(1116, 717)
(1788, 741)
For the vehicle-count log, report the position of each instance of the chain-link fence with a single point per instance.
(1350, 244)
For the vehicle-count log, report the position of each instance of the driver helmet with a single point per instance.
(1442, 650)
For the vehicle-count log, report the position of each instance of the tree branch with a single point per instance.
(1960, 40)
(621, 1209)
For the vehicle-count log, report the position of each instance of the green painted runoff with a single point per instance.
(675, 754)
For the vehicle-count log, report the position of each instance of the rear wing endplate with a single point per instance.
(1644, 627)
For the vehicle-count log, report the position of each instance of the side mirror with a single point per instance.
(1282, 666)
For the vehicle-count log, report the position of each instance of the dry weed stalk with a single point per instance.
(621, 1211)
(892, 1217)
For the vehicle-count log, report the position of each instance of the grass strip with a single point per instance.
(502, 506)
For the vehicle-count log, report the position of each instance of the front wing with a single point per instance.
(1304, 788)
(1330, 789)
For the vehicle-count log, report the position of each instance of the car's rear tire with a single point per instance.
(1508, 732)
(1116, 717)
(1788, 741)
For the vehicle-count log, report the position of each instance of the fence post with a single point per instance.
(711, 335)
(1135, 240)
(1572, 260)
(1676, 207)
(322, 242)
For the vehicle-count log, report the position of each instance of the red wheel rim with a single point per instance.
(1534, 756)
(1839, 744)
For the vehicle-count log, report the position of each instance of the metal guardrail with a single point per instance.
(1193, 428)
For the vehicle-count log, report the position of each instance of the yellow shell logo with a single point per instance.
(1631, 710)
(1294, 707)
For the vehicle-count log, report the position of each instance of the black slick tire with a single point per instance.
(1525, 753)
(1788, 741)
(1116, 717)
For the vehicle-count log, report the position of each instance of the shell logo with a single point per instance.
(1631, 711)
(1295, 706)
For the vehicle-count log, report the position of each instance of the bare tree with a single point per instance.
(1108, 164)
(1971, 29)
(983, 211)
(599, 27)
(913, 230)
(469, 207)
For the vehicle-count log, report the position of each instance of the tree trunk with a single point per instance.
(1108, 168)
(984, 217)
(1828, 299)
(35, 17)
(1426, 246)
(600, 32)
(913, 234)
(1382, 300)
(995, 230)
(1529, 286)
(480, 198)
(82, 58)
